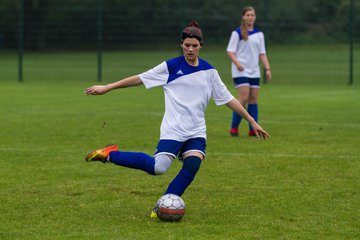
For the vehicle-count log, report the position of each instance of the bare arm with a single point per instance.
(236, 106)
(264, 60)
(233, 58)
(124, 83)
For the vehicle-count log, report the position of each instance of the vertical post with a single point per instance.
(182, 22)
(21, 40)
(351, 42)
(266, 30)
(100, 10)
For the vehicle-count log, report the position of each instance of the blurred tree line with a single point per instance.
(52, 24)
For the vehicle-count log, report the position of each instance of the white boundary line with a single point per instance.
(226, 118)
(284, 155)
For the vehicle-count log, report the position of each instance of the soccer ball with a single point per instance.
(170, 207)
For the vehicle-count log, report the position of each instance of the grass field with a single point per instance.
(303, 183)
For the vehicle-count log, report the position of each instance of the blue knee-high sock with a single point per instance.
(136, 160)
(253, 111)
(236, 119)
(186, 175)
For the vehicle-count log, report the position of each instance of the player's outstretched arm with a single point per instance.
(236, 106)
(102, 89)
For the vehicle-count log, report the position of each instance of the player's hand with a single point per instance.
(268, 75)
(240, 67)
(96, 90)
(259, 132)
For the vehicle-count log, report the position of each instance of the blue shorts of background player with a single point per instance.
(245, 81)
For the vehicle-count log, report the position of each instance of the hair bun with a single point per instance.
(194, 23)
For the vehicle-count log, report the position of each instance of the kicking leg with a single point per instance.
(135, 160)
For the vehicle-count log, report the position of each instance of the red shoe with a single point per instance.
(234, 132)
(252, 133)
(101, 154)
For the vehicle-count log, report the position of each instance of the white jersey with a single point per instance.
(247, 52)
(187, 90)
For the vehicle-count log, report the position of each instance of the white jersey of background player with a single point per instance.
(247, 52)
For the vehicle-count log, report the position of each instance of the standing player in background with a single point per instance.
(189, 83)
(245, 48)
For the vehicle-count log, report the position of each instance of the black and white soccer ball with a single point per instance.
(170, 207)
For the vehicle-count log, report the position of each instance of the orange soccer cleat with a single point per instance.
(101, 154)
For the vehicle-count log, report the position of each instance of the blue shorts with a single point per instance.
(178, 149)
(245, 81)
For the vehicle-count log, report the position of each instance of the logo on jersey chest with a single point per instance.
(179, 72)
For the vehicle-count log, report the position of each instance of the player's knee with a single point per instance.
(252, 100)
(162, 163)
(192, 164)
(160, 170)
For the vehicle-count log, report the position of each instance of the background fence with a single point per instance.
(70, 24)
(46, 25)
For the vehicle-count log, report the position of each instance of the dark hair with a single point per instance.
(192, 31)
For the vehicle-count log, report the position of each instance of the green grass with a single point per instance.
(303, 183)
